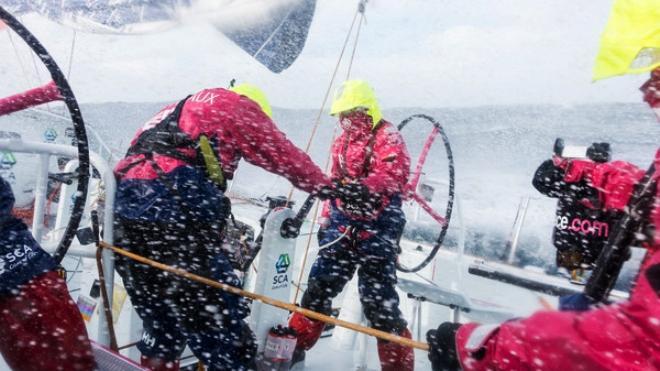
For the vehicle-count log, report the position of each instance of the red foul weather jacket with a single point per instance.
(242, 130)
(378, 159)
(622, 336)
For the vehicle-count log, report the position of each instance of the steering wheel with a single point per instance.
(411, 187)
(78, 125)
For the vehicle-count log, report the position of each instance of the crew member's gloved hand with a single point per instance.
(599, 152)
(327, 192)
(356, 198)
(442, 343)
(354, 193)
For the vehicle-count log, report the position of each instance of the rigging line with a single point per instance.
(327, 92)
(309, 242)
(314, 219)
(332, 79)
(18, 57)
(75, 270)
(36, 70)
(357, 37)
(360, 10)
(73, 48)
(71, 52)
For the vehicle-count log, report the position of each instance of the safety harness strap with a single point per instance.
(369, 151)
(166, 138)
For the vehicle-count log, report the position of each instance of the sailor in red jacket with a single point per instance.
(171, 207)
(40, 326)
(371, 165)
(623, 336)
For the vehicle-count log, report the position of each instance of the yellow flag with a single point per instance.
(631, 40)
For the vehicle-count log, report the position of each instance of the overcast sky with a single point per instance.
(428, 53)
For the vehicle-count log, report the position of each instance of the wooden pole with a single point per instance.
(264, 299)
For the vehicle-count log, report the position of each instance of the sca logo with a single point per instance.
(282, 264)
(7, 160)
(280, 279)
(50, 135)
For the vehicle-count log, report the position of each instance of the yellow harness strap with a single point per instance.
(213, 167)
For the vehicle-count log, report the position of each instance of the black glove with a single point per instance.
(599, 152)
(327, 192)
(442, 343)
(356, 196)
(549, 179)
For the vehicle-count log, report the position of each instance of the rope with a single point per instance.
(317, 121)
(357, 37)
(73, 48)
(267, 300)
(332, 79)
(311, 228)
(38, 76)
(309, 243)
(336, 240)
(68, 72)
(302, 266)
(360, 10)
(18, 57)
(36, 71)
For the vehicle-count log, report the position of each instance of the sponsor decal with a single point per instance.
(50, 135)
(281, 279)
(583, 226)
(205, 97)
(148, 340)
(283, 263)
(15, 258)
(7, 160)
